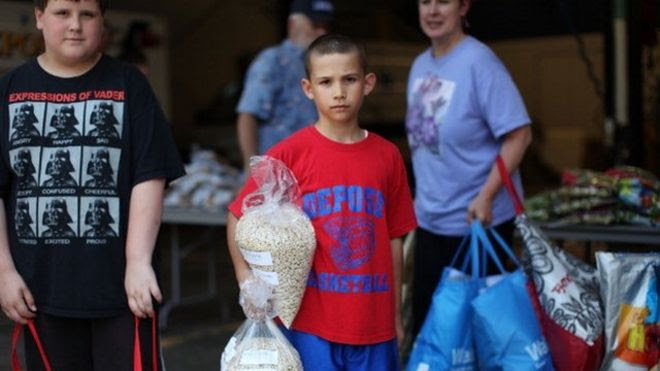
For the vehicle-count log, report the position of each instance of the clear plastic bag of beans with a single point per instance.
(275, 235)
(259, 345)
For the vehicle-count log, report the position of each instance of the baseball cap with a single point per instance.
(319, 11)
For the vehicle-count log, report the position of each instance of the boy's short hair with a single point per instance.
(332, 43)
(41, 4)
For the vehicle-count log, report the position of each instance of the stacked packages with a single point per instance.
(620, 195)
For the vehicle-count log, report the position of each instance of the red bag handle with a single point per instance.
(137, 355)
(15, 362)
(506, 179)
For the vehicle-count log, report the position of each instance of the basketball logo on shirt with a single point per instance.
(354, 240)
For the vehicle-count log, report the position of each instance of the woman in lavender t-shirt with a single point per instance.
(463, 110)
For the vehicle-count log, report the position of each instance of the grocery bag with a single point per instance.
(275, 236)
(567, 293)
(506, 331)
(259, 345)
(445, 340)
(629, 288)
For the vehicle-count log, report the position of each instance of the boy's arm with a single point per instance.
(513, 149)
(144, 216)
(15, 297)
(248, 137)
(241, 269)
(397, 269)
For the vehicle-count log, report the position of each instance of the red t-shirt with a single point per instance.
(358, 199)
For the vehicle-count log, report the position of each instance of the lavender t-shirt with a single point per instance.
(460, 106)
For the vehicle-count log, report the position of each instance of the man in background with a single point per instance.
(273, 105)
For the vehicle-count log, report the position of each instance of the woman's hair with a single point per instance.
(41, 4)
(333, 43)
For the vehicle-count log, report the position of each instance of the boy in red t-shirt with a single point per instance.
(355, 192)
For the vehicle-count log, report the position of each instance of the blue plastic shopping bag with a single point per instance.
(505, 328)
(445, 339)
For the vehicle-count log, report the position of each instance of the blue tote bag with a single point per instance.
(445, 340)
(505, 328)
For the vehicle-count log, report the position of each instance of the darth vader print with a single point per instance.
(100, 164)
(64, 121)
(60, 167)
(58, 217)
(23, 219)
(23, 162)
(25, 120)
(100, 217)
(104, 119)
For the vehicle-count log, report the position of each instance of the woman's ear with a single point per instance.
(464, 7)
(307, 88)
(369, 83)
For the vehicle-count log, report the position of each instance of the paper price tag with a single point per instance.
(257, 257)
(259, 357)
(268, 277)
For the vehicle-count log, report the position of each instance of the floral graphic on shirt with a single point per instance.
(355, 241)
(428, 106)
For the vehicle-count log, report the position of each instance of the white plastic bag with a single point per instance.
(259, 345)
(629, 288)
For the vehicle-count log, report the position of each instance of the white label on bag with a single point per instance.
(257, 258)
(461, 356)
(537, 349)
(268, 277)
(423, 367)
(259, 357)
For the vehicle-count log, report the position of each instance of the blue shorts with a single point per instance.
(321, 355)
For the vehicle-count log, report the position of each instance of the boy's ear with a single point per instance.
(37, 17)
(307, 88)
(369, 83)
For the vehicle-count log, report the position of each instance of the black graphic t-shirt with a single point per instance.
(72, 149)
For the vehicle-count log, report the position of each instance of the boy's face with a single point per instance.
(337, 84)
(72, 30)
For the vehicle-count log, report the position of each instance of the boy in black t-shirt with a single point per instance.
(84, 204)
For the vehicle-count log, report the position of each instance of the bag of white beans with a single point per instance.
(259, 345)
(275, 235)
